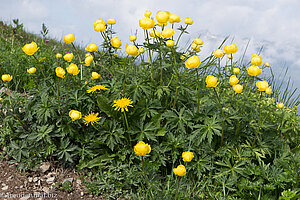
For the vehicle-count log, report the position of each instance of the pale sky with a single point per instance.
(274, 24)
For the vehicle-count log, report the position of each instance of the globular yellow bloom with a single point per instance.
(111, 21)
(69, 38)
(99, 27)
(58, 55)
(122, 104)
(68, 57)
(88, 54)
(141, 50)
(131, 50)
(75, 115)
(91, 47)
(187, 156)
(147, 13)
(155, 33)
(162, 17)
(170, 43)
(31, 70)
(95, 75)
(256, 60)
(95, 88)
(193, 62)
(167, 33)
(229, 49)
(141, 148)
(280, 105)
(262, 85)
(233, 80)
(237, 88)
(254, 70)
(99, 21)
(6, 77)
(198, 41)
(88, 60)
(173, 18)
(218, 53)
(30, 49)
(73, 69)
(91, 118)
(267, 64)
(211, 81)
(132, 38)
(60, 72)
(194, 45)
(188, 21)
(236, 70)
(180, 170)
(115, 42)
(269, 91)
(146, 23)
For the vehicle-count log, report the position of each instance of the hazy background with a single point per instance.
(273, 24)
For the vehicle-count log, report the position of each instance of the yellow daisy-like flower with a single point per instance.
(122, 104)
(95, 88)
(91, 118)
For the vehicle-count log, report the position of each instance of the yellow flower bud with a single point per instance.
(198, 41)
(58, 55)
(180, 170)
(141, 50)
(174, 19)
(268, 91)
(256, 60)
(218, 53)
(155, 34)
(30, 49)
(147, 13)
(236, 70)
(95, 75)
(115, 42)
(267, 64)
(229, 49)
(146, 23)
(111, 21)
(187, 156)
(99, 27)
(162, 17)
(167, 33)
(188, 21)
(73, 69)
(91, 47)
(131, 50)
(197, 49)
(88, 60)
(280, 105)
(262, 85)
(31, 70)
(75, 115)
(194, 45)
(182, 57)
(193, 62)
(6, 77)
(229, 56)
(60, 72)
(69, 38)
(132, 38)
(233, 80)
(170, 43)
(211, 81)
(237, 88)
(68, 57)
(142, 149)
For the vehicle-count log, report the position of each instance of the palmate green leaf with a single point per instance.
(178, 121)
(147, 108)
(19, 151)
(66, 151)
(105, 105)
(143, 131)
(96, 162)
(42, 134)
(162, 90)
(139, 89)
(228, 169)
(112, 134)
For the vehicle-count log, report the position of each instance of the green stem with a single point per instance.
(198, 88)
(40, 67)
(8, 93)
(178, 186)
(181, 34)
(259, 120)
(176, 94)
(223, 118)
(79, 60)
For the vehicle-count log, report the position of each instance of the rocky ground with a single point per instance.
(46, 182)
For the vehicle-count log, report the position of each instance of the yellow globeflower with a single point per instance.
(267, 64)
(254, 70)
(95, 88)
(122, 104)
(170, 43)
(111, 21)
(88, 60)
(262, 85)
(73, 69)
(187, 156)
(58, 55)
(188, 21)
(269, 91)
(142, 148)
(180, 170)
(233, 80)
(60, 72)
(162, 17)
(6, 77)
(218, 53)
(131, 50)
(194, 45)
(167, 33)
(91, 118)
(280, 105)
(69, 38)
(229, 49)
(236, 70)
(68, 57)
(99, 21)
(174, 19)
(193, 62)
(99, 27)
(211, 81)
(237, 88)
(30, 49)
(132, 38)
(155, 34)
(75, 115)
(31, 70)
(256, 60)
(91, 47)
(146, 23)
(147, 13)
(115, 42)
(141, 50)
(95, 75)
(198, 41)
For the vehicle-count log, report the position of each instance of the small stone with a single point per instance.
(78, 182)
(39, 182)
(46, 189)
(68, 179)
(50, 180)
(4, 149)
(30, 179)
(45, 167)
(21, 186)
(81, 193)
(16, 187)
(35, 179)
(5, 187)
(3, 184)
